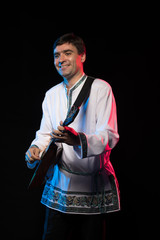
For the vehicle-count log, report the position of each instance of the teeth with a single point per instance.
(64, 66)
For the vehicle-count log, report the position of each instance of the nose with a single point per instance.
(61, 59)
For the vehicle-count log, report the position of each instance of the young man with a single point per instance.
(82, 186)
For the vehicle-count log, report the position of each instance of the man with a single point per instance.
(82, 187)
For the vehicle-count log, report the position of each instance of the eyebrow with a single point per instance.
(64, 51)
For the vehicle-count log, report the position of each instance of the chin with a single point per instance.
(66, 75)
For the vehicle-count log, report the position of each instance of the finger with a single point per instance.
(61, 123)
(33, 155)
(29, 153)
(28, 158)
(57, 132)
(55, 135)
(36, 152)
(62, 137)
(61, 129)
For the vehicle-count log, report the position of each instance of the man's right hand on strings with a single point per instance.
(32, 154)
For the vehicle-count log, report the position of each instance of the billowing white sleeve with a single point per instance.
(43, 134)
(106, 135)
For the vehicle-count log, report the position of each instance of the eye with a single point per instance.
(56, 55)
(68, 53)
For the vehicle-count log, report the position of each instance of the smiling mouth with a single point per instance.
(63, 66)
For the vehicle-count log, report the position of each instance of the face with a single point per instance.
(67, 60)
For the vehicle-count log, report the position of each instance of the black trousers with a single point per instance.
(59, 226)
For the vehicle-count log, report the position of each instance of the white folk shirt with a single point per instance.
(85, 181)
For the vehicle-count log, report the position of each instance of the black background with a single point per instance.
(124, 52)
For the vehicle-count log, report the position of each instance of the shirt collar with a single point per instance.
(76, 84)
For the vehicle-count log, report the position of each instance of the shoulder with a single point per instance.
(55, 89)
(101, 85)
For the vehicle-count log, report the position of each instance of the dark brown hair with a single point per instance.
(73, 39)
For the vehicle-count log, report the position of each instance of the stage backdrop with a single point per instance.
(128, 62)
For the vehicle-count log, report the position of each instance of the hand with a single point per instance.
(32, 154)
(66, 135)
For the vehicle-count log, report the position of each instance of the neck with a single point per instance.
(72, 80)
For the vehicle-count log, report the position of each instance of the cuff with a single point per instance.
(34, 146)
(32, 165)
(81, 150)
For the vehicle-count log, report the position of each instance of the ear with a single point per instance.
(83, 57)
